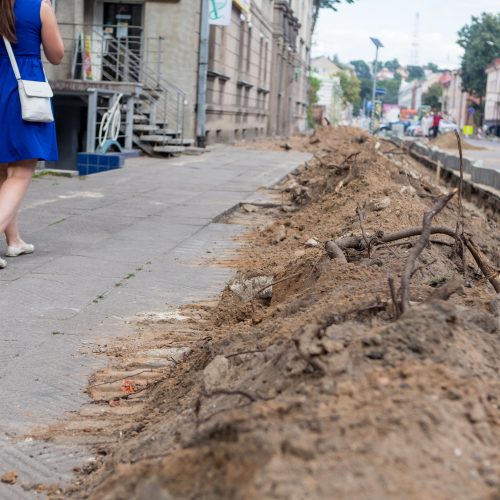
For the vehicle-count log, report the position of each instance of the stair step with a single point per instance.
(183, 142)
(147, 128)
(169, 149)
(163, 138)
(141, 119)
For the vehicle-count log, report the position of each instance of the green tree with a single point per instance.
(351, 88)
(415, 73)
(364, 75)
(314, 86)
(433, 96)
(391, 90)
(325, 4)
(433, 67)
(392, 65)
(362, 69)
(481, 43)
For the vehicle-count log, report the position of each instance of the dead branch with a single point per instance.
(349, 156)
(423, 266)
(344, 181)
(361, 217)
(357, 243)
(460, 186)
(447, 290)
(394, 297)
(486, 268)
(419, 246)
(286, 278)
(335, 252)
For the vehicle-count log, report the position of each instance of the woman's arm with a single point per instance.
(52, 43)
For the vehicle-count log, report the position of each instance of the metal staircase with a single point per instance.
(158, 105)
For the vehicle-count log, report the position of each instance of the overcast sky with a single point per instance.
(347, 31)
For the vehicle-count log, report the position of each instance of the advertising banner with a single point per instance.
(220, 12)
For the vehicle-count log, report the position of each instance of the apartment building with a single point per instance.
(492, 102)
(257, 72)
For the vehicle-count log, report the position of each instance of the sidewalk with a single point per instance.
(490, 155)
(108, 247)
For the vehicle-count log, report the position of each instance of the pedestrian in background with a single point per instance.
(435, 124)
(26, 24)
(427, 123)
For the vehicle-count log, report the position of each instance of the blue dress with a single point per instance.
(21, 140)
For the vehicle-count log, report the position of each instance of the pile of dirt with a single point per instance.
(305, 380)
(449, 141)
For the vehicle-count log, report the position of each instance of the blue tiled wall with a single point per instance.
(93, 163)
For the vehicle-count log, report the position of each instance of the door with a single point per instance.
(122, 27)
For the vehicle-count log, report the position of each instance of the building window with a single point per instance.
(241, 50)
(249, 49)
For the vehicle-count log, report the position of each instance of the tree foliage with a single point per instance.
(433, 96)
(351, 88)
(314, 86)
(415, 73)
(362, 69)
(325, 4)
(432, 67)
(391, 90)
(481, 42)
(392, 65)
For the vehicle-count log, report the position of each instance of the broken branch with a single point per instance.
(419, 246)
(335, 252)
(489, 272)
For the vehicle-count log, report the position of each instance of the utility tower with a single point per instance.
(415, 45)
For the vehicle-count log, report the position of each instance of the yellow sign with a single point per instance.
(244, 5)
(468, 130)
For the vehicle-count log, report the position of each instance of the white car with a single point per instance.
(446, 126)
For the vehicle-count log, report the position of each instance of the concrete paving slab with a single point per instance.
(108, 248)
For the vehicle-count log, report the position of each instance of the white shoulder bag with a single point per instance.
(34, 96)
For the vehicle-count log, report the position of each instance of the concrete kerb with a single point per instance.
(486, 176)
(479, 173)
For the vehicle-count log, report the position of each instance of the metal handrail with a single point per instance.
(100, 55)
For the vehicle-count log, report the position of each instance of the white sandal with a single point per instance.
(23, 248)
(3, 264)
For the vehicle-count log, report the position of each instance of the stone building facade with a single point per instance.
(257, 73)
(492, 101)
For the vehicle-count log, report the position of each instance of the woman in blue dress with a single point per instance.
(27, 24)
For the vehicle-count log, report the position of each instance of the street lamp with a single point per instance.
(378, 45)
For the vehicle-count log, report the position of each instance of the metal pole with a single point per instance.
(375, 64)
(91, 121)
(202, 75)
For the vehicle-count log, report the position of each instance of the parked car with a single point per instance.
(446, 126)
(414, 130)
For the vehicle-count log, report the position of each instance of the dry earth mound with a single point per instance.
(309, 378)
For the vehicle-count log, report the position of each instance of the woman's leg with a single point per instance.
(12, 193)
(11, 231)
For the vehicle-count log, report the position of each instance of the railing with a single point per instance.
(122, 54)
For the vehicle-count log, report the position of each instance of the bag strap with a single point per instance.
(12, 58)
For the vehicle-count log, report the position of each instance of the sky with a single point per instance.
(347, 31)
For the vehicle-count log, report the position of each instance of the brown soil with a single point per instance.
(449, 141)
(315, 390)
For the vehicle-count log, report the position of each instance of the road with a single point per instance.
(108, 247)
(490, 155)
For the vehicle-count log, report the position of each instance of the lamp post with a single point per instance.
(378, 45)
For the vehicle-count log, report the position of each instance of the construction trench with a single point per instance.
(355, 355)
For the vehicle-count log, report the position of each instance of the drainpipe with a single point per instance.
(202, 75)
